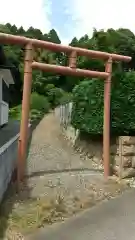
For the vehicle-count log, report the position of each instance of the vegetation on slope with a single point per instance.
(88, 95)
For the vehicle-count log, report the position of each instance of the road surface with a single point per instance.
(111, 220)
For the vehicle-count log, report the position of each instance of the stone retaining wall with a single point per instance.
(122, 152)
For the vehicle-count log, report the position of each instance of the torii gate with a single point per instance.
(73, 52)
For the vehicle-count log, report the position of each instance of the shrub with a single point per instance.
(15, 112)
(87, 111)
(66, 98)
(39, 102)
(35, 114)
(54, 94)
(87, 114)
(39, 106)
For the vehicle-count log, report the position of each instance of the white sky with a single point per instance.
(26, 13)
(85, 14)
(102, 14)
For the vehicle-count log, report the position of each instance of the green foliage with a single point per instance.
(87, 112)
(53, 35)
(38, 107)
(39, 102)
(35, 115)
(15, 57)
(15, 112)
(123, 103)
(54, 94)
(88, 95)
(67, 97)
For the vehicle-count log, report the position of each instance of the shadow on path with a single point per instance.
(81, 170)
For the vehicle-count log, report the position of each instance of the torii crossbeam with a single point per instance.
(74, 52)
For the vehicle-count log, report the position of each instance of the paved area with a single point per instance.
(9, 131)
(112, 220)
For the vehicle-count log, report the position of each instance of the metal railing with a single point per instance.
(64, 114)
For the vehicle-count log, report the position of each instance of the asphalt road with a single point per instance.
(9, 131)
(110, 220)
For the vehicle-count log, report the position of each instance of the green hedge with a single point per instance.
(87, 114)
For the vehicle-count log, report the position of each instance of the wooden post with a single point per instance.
(22, 146)
(72, 59)
(106, 128)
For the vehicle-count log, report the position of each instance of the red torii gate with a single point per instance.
(73, 52)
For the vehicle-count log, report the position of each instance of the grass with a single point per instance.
(39, 105)
(28, 214)
(15, 114)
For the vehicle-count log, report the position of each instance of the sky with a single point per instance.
(69, 18)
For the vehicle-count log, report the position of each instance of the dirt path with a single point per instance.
(53, 162)
(49, 152)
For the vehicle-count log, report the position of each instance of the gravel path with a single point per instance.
(52, 159)
(59, 182)
(49, 151)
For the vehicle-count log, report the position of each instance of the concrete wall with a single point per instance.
(8, 157)
(4, 110)
(4, 107)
